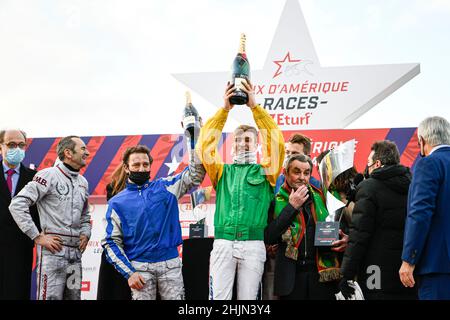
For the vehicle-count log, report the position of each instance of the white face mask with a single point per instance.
(15, 156)
(247, 157)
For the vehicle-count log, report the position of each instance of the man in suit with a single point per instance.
(426, 247)
(16, 249)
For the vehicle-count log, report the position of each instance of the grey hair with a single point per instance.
(65, 143)
(435, 131)
(299, 157)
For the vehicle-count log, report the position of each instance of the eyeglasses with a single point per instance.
(13, 145)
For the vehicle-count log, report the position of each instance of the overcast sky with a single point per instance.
(103, 67)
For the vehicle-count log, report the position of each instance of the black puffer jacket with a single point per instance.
(376, 234)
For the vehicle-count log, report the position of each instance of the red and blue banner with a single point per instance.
(106, 151)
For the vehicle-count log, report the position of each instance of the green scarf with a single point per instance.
(335, 194)
(327, 262)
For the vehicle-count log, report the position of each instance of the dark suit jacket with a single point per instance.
(427, 230)
(286, 268)
(16, 249)
(284, 276)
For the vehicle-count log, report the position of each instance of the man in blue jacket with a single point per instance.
(143, 228)
(426, 247)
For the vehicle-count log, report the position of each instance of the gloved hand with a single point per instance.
(346, 290)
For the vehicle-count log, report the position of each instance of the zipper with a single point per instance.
(235, 217)
(306, 232)
(71, 212)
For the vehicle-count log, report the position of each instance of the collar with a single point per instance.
(286, 187)
(134, 187)
(6, 168)
(438, 147)
(246, 157)
(66, 171)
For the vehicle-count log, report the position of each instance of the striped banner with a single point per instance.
(170, 155)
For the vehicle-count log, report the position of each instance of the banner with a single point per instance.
(170, 154)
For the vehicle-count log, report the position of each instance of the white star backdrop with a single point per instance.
(97, 67)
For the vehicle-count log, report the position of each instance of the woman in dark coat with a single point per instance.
(111, 284)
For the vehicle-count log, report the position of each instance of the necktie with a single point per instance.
(10, 173)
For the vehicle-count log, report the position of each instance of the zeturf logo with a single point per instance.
(292, 67)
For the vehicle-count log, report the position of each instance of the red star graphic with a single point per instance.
(279, 62)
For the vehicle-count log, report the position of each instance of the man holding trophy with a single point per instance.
(143, 229)
(244, 191)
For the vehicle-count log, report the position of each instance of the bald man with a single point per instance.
(16, 249)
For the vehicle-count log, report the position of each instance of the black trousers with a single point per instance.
(308, 287)
(111, 284)
(16, 261)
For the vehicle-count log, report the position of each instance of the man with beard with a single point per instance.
(244, 190)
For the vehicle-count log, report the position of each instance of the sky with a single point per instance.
(104, 67)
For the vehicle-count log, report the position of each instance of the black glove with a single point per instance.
(346, 289)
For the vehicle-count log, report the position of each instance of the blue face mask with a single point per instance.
(15, 156)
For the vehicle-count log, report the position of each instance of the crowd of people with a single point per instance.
(394, 234)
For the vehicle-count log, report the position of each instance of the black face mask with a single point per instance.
(139, 177)
(366, 172)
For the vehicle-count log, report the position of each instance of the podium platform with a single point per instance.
(195, 270)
